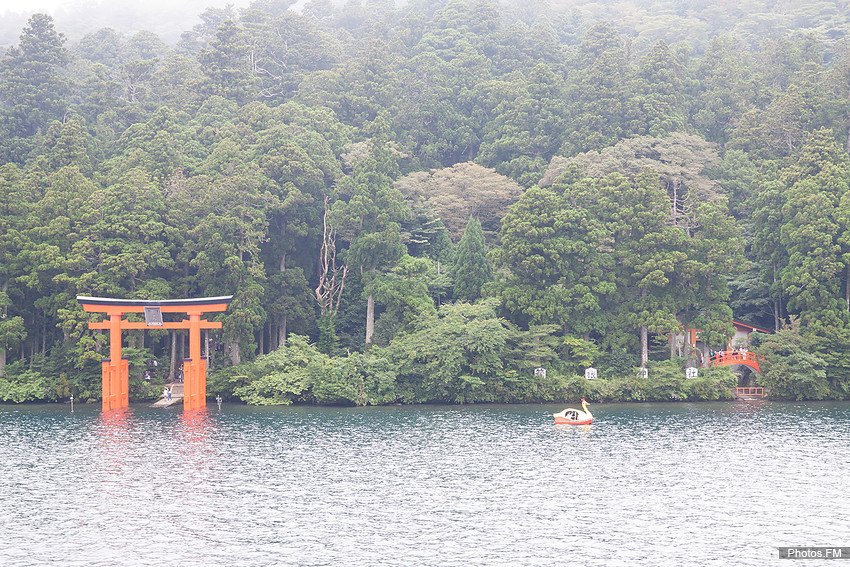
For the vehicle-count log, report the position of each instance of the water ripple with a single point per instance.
(673, 484)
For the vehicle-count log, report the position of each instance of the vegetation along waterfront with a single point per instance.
(426, 203)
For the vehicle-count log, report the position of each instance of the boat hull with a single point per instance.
(564, 421)
(573, 416)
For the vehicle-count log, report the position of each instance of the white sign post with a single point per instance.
(590, 373)
(691, 372)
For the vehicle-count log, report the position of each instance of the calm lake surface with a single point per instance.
(645, 484)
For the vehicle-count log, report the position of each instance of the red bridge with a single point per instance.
(730, 357)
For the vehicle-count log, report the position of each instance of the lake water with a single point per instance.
(645, 484)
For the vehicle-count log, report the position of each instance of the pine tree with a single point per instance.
(810, 233)
(658, 101)
(32, 88)
(471, 269)
(599, 90)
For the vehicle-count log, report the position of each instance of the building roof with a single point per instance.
(749, 328)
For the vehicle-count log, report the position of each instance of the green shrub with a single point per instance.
(792, 368)
(27, 386)
(666, 382)
(360, 379)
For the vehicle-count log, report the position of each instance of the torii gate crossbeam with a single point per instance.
(115, 370)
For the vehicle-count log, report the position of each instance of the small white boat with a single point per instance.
(572, 416)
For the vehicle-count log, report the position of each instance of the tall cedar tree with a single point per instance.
(471, 269)
(32, 87)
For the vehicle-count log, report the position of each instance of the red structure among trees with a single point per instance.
(115, 370)
(731, 357)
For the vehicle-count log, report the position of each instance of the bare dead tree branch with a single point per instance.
(332, 278)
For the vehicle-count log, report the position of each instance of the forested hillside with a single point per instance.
(425, 203)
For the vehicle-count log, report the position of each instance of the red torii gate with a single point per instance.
(115, 370)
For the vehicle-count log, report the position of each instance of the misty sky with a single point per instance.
(30, 5)
(75, 18)
(52, 6)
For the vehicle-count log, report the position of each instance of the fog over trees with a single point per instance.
(425, 202)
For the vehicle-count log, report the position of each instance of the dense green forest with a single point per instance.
(425, 203)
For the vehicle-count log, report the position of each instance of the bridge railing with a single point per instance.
(749, 391)
(726, 357)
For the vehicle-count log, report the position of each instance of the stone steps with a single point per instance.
(176, 395)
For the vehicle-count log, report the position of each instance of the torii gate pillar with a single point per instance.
(115, 370)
